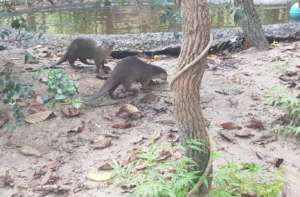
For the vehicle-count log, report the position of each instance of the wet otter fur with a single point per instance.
(128, 70)
(86, 48)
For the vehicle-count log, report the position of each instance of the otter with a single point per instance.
(128, 70)
(86, 48)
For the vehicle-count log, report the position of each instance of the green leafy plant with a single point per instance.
(238, 179)
(12, 89)
(18, 23)
(61, 88)
(283, 98)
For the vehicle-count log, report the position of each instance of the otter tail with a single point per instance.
(109, 86)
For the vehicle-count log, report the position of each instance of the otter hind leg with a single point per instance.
(71, 60)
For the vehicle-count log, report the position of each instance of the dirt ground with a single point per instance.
(233, 90)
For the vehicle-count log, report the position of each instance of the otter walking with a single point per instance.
(129, 70)
(86, 48)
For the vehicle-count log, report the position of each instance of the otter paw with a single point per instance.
(106, 69)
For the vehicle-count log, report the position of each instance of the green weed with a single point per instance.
(283, 98)
(238, 179)
(175, 178)
(158, 178)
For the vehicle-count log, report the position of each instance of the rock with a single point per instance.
(30, 151)
(245, 133)
(99, 176)
(101, 142)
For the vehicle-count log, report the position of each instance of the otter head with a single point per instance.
(107, 45)
(163, 76)
(160, 73)
(105, 48)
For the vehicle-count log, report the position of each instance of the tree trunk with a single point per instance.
(251, 25)
(186, 85)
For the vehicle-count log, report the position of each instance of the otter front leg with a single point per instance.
(146, 83)
(128, 90)
(71, 60)
(100, 70)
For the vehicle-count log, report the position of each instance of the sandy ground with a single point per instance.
(233, 90)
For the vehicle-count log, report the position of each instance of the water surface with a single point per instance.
(129, 19)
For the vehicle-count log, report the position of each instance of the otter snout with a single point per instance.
(163, 76)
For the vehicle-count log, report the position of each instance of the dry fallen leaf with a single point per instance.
(142, 165)
(156, 136)
(99, 176)
(70, 111)
(227, 136)
(248, 195)
(39, 117)
(128, 108)
(230, 125)
(101, 142)
(164, 155)
(4, 117)
(77, 129)
(290, 73)
(150, 98)
(127, 188)
(172, 137)
(277, 162)
(30, 151)
(106, 166)
(6, 180)
(132, 156)
(255, 124)
(265, 139)
(121, 125)
(167, 170)
(129, 111)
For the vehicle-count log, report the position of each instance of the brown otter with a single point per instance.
(86, 48)
(128, 70)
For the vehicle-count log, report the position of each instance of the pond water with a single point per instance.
(128, 19)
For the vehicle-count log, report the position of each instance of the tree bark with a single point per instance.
(186, 85)
(251, 24)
